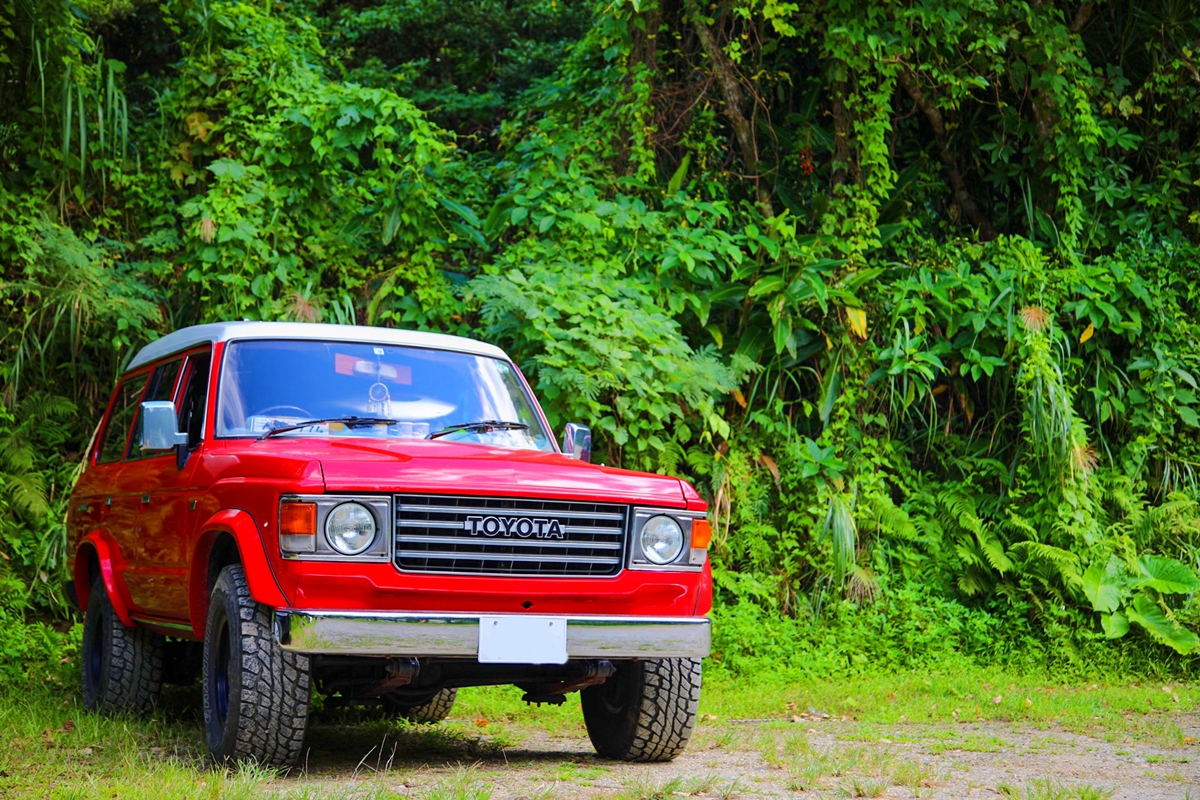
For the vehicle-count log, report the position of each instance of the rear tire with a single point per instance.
(256, 694)
(122, 667)
(646, 711)
(435, 709)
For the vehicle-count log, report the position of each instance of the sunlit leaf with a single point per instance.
(857, 318)
(1150, 617)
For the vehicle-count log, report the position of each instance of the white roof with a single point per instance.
(229, 331)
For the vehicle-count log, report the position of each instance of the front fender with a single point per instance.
(705, 593)
(259, 576)
(107, 555)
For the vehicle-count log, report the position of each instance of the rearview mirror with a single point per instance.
(380, 371)
(577, 441)
(158, 427)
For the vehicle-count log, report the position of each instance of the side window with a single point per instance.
(194, 398)
(161, 387)
(112, 441)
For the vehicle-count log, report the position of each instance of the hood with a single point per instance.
(434, 467)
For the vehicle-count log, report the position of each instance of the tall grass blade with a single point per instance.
(82, 136)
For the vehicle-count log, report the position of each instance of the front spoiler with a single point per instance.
(367, 633)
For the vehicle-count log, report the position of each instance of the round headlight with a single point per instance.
(661, 540)
(350, 529)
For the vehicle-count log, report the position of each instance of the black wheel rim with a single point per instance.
(614, 692)
(95, 656)
(220, 674)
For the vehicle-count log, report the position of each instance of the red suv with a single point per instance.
(385, 515)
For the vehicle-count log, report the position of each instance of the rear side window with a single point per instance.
(193, 400)
(116, 430)
(161, 387)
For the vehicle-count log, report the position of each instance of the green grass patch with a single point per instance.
(53, 748)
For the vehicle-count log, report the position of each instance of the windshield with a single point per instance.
(415, 392)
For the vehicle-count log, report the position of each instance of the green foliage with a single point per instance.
(903, 288)
(603, 351)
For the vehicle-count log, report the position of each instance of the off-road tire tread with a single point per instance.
(275, 691)
(435, 709)
(135, 663)
(665, 718)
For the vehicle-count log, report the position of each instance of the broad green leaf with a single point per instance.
(497, 214)
(225, 167)
(1146, 613)
(468, 216)
(679, 175)
(831, 388)
(1166, 575)
(771, 283)
(1098, 587)
(784, 340)
(391, 223)
(1115, 625)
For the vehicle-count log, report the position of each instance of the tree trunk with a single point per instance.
(735, 109)
(962, 197)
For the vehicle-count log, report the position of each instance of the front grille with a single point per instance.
(508, 536)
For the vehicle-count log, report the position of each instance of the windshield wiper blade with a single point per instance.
(481, 425)
(349, 422)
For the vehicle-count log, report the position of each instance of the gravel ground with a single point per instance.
(751, 758)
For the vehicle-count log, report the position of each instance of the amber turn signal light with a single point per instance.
(298, 519)
(701, 534)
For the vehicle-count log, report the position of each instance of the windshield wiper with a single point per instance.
(349, 422)
(481, 425)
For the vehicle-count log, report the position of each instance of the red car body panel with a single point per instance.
(150, 527)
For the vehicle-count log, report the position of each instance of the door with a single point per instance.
(167, 509)
(109, 509)
(133, 488)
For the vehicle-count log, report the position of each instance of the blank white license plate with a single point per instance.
(522, 640)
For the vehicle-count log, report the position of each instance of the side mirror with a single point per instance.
(577, 441)
(158, 427)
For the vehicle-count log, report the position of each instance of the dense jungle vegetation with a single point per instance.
(907, 289)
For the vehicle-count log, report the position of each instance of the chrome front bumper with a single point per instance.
(424, 635)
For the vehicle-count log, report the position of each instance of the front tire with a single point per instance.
(646, 711)
(256, 694)
(435, 709)
(122, 667)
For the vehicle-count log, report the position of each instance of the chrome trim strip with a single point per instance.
(456, 525)
(516, 512)
(459, 556)
(505, 542)
(421, 635)
(174, 625)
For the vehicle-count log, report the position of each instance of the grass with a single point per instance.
(52, 748)
(1049, 790)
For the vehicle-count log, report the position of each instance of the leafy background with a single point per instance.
(906, 289)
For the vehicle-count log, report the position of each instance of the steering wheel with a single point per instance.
(303, 414)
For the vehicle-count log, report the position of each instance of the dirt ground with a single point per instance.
(761, 758)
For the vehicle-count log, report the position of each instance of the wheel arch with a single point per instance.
(229, 537)
(95, 555)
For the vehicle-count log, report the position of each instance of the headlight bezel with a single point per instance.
(319, 548)
(351, 507)
(663, 527)
(688, 559)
